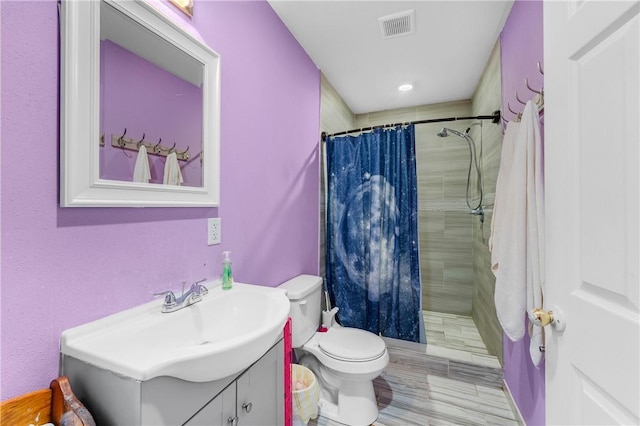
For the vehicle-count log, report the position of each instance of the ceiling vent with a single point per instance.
(398, 24)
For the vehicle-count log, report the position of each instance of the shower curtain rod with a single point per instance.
(495, 119)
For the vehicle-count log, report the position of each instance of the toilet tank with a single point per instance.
(305, 294)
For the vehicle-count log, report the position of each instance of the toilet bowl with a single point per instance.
(345, 360)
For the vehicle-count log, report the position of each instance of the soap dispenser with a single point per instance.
(227, 278)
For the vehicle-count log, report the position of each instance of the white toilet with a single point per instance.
(345, 360)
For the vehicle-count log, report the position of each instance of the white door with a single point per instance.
(592, 190)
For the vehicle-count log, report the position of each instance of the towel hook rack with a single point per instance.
(125, 143)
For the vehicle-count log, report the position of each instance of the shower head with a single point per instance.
(444, 132)
(473, 160)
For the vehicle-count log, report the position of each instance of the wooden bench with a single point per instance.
(57, 405)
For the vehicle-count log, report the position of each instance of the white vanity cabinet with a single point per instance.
(252, 397)
(221, 411)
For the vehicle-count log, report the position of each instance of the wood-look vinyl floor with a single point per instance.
(454, 332)
(420, 389)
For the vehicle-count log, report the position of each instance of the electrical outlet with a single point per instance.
(214, 230)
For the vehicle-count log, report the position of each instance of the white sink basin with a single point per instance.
(215, 338)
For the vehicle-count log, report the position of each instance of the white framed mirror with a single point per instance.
(108, 111)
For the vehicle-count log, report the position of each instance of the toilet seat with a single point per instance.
(342, 359)
(351, 344)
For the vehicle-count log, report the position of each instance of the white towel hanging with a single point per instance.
(530, 130)
(507, 240)
(141, 171)
(517, 229)
(172, 173)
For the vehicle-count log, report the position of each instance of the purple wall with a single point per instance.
(521, 48)
(64, 267)
(146, 100)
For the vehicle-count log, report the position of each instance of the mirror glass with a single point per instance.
(132, 77)
(151, 94)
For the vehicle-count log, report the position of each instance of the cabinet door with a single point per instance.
(260, 392)
(220, 411)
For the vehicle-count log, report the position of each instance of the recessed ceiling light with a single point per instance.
(405, 87)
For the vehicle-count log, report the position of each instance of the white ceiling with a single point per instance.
(443, 59)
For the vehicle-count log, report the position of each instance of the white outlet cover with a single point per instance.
(214, 231)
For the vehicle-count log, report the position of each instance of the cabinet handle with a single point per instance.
(233, 421)
(247, 406)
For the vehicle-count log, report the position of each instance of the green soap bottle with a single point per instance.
(227, 278)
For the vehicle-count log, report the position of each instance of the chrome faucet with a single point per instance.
(193, 295)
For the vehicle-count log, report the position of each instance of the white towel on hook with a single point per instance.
(517, 230)
(508, 236)
(172, 173)
(141, 171)
(530, 135)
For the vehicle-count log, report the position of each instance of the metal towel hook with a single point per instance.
(141, 141)
(517, 114)
(540, 68)
(120, 141)
(526, 81)
(156, 147)
(519, 100)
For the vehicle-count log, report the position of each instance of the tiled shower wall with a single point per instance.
(446, 261)
(486, 99)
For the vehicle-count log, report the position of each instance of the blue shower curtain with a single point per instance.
(373, 270)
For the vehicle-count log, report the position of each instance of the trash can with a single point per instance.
(306, 394)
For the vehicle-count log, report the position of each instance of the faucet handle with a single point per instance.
(169, 297)
(199, 288)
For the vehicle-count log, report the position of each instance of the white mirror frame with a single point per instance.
(80, 182)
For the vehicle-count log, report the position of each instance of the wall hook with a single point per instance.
(526, 81)
(141, 141)
(120, 141)
(519, 100)
(540, 70)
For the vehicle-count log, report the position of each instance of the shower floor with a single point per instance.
(456, 337)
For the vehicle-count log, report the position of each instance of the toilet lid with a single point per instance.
(351, 344)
